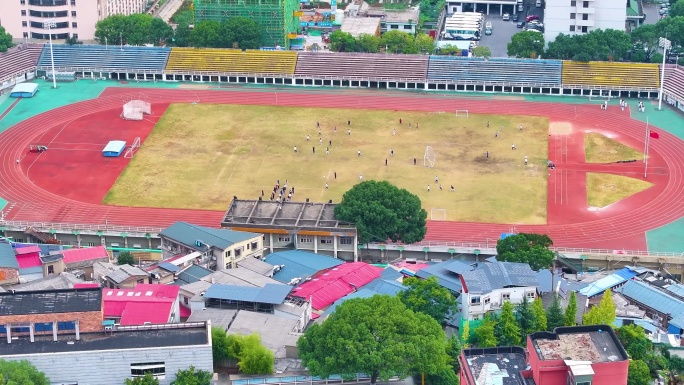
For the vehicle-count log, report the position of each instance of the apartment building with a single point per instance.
(25, 19)
(581, 16)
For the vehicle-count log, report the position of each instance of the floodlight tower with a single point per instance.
(49, 25)
(665, 44)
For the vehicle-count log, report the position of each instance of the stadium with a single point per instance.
(46, 194)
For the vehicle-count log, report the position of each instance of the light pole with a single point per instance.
(665, 44)
(50, 24)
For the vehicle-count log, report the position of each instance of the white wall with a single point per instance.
(496, 300)
(603, 14)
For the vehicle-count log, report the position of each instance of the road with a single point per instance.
(167, 10)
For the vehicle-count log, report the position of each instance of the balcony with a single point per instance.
(584, 23)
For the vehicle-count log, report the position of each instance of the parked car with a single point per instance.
(663, 11)
(520, 24)
(506, 16)
(488, 31)
(530, 18)
(515, 17)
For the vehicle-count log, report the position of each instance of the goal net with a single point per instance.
(133, 149)
(438, 214)
(429, 158)
(135, 109)
(461, 113)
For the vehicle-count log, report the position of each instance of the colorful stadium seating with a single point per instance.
(19, 60)
(674, 82)
(501, 70)
(611, 74)
(235, 61)
(100, 57)
(358, 65)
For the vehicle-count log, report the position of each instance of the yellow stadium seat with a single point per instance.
(610, 74)
(230, 60)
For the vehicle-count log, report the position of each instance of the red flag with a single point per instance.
(654, 134)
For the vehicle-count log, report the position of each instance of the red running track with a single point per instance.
(620, 226)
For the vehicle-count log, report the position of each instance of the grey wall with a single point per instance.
(110, 367)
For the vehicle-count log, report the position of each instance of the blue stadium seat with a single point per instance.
(495, 70)
(111, 58)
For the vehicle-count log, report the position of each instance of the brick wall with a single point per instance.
(9, 275)
(87, 321)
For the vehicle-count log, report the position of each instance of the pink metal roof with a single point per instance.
(29, 260)
(333, 284)
(185, 311)
(149, 301)
(27, 250)
(78, 255)
(85, 285)
(414, 267)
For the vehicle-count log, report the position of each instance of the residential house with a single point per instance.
(51, 282)
(81, 259)
(119, 276)
(219, 248)
(660, 305)
(9, 267)
(142, 305)
(30, 266)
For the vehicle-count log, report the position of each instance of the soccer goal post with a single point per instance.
(461, 113)
(429, 158)
(135, 109)
(438, 214)
(130, 151)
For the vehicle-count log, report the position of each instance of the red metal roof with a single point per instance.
(333, 284)
(27, 250)
(29, 260)
(78, 255)
(185, 311)
(414, 267)
(85, 285)
(145, 303)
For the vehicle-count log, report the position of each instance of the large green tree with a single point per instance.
(645, 39)
(241, 32)
(638, 373)
(677, 9)
(540, 323)
(255, 358)
(21, 373)
(378, 336)
(570, 318)
(509, 334)
(424, 44)
(5, 40)
(342, 41)
(604, 313)
(219, 347)
(367, 43)
(482, 51)
(381, 211)
(526, 318)
(532, 249)
(125, 258)
(554, 315)
(454, 351)
(192, 376)
(135, 29)
(207, 34)
(147, 379)
(428, 297)
(398, 42)
(673, 28)
(484, 336)
(526, 44)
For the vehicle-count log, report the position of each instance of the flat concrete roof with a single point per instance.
(496, 366)
(358, 26)
(220, 318)
(590, 345)
(276, 332)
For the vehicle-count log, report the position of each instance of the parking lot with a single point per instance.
(503, 30)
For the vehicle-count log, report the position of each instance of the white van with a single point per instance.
(538, 4)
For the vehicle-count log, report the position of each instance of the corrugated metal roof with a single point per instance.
(188, 234)
(86, 254)
(496, 275)
(299, 264)
(335, 283)
(169, 266)
(21, 250)
(676, 289)
(445, 272)
(29, 260)
(138, 313)
(385, 287)
(652, 297)
(7, 256)
(678, 321)
(192, 274)
(144, 303)
(256, 265)
(271, 293)
(608, 282)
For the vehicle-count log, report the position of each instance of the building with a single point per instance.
(663, 306)
(51, 282)
(81, 259)
(580, 355)
(399, 20)
(50, 312)
(294, 266)
(142, 305)
(485, 6)
(295, 225)
(277, 19)
(219, 248)
(278, 334)
(25, 19)
(446, 273)
(572, 17)
(9, 267)
(110, 357)
(486, 287)
(357, 26)
(30, 265)
(119, 276)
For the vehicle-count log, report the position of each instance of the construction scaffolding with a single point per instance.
(275, 17)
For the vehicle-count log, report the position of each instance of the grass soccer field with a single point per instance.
(200, 156)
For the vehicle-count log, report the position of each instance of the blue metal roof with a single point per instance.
(678, 321)
(489, 276)
(7, 256)
(620, 321)
(188, 234)
(169, 266)
(608, 282)
(652, 297)
(271, 293)
(444, 272)
(676, 289)
(192, 274)
(384, 286)
(299, 264)
(390, 274)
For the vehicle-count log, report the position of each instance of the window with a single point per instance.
(23, 12)
(66, 326)
(583, 383)
(75, 36)
(585, 4)
(585, 17)
(51, 269)
(22, 2)
(141, 280)
(573, 3)
(73, 13)
(90, 244)
(157, 369)
(346, 240)
(529, 294)
(228, 253)
(19, 240)
(394, 26)
(486, 300)
(475, 300)
(283, 239)
(24, 24)
(248, 245)
(255, 245)
(506, 297)
(584, 29)
(73, 3)
(407, 26)
(305, 240)
(326, 241)
(186, 300)
(238, 252)
(48, 3)
(476, 317)
(572, 28)
(573, 16)
(25, 34)
(43, 327)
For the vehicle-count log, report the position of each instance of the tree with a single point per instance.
(638, 373)
(510, 331)
(110, 29)
(255, 358)
(241, 32)
(563, 47)
(382, 211)
(367, 43)
(532, 249)
(526, 318)
(191, 376)
(424, 44)
(428, 297)
(398, 42)
(378, 336)
(645, 39)
(454, 351)
(72, 40)
(526, 44)
(604, 313)
(147, 379)
(219, 347)
(443, 377)
(160, 32)
(484, 336)
(342, 41)
(554, 315)
(181, 36)
(673, 28)
(677, 9)
(5, 40)
(465, 335)
(482, 51)
(125, 258)
(539, 315)
(207, 34)
(134, 29)
(571, 311)
(21, 373)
